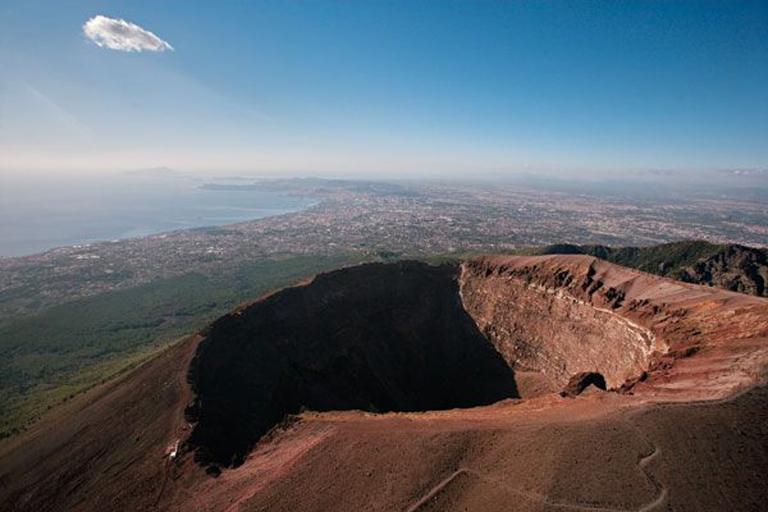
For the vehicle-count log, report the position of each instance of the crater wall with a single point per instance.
(414, 337)
(539, 325)
(375, 337)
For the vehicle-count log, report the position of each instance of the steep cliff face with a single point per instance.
(558, 324)
(565, 314)
(375, 337)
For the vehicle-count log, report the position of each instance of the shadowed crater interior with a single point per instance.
(375, 337)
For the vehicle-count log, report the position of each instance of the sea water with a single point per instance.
(40, 212)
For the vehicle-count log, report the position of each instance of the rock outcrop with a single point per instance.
(414, 337)
(581, 381)
(729, 266)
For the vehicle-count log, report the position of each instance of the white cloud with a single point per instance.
(122, 35)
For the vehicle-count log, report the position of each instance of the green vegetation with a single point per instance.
(49, 357)
(666, 259)
(729, 266)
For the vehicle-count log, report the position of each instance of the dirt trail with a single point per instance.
(643, 462)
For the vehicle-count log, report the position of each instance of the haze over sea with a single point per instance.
(38, 213)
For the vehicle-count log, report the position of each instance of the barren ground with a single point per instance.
(686, 428)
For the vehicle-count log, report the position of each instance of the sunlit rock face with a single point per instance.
(558, 323)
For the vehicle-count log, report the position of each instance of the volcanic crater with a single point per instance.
(407, 337)
(462, 364)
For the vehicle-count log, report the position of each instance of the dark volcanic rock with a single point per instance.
(374, 337)
(581, 381)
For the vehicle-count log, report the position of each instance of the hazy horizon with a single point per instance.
(37, 215)
(378, 90)
(43, 211)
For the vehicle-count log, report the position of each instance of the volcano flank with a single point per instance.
(500, 383)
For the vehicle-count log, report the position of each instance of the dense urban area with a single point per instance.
(374, 219)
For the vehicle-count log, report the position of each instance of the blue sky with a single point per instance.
(388, 88)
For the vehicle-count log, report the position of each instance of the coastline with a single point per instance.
(147, 231)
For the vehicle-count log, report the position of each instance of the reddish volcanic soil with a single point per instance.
(482, 350)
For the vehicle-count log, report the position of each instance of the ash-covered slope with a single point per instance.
(684, 427)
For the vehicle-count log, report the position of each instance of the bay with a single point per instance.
(38, 212)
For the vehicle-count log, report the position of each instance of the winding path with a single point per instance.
(642, 462)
